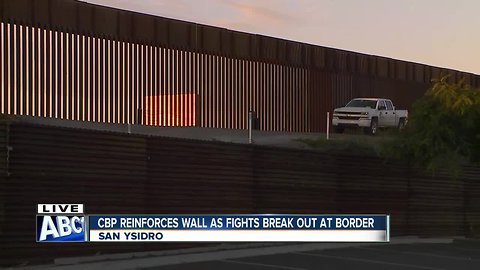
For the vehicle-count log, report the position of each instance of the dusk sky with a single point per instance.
(443, 33)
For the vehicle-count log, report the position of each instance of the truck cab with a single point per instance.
(369, 114)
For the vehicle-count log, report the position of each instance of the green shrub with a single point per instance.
(443, 131)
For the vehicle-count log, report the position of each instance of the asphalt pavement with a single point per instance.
(457, 255)
(400, 253)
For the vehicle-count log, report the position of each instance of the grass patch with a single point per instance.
(350, 143)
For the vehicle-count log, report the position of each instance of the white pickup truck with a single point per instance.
(369, 114)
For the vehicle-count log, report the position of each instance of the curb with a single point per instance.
(132, 255)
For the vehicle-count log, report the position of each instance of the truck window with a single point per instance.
(361, 103)
(389, 105)
(380, 104)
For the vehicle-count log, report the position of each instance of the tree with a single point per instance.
(443, 129)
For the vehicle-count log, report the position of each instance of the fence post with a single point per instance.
(328, 125)
(251, 123)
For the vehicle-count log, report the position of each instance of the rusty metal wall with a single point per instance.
(70, 76)
(471, 195)
(74, 60)
(122, 173)
(4, 159)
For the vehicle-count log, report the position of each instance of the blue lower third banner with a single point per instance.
(239, 228)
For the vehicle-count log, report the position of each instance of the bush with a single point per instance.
(443, 129)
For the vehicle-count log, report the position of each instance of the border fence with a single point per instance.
(131, 174)
(73, 60)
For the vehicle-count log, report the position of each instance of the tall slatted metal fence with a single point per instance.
(73, 60)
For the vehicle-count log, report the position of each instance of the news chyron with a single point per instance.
(60, 223)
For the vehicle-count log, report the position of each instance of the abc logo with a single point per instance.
(53, 227)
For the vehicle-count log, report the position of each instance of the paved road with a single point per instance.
(457, 255)
(270, 138)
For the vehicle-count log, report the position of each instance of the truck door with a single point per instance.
(390, 114)
(382, 116)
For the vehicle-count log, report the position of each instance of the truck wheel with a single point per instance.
(401, 124)
(339, 129)
(372, 130)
